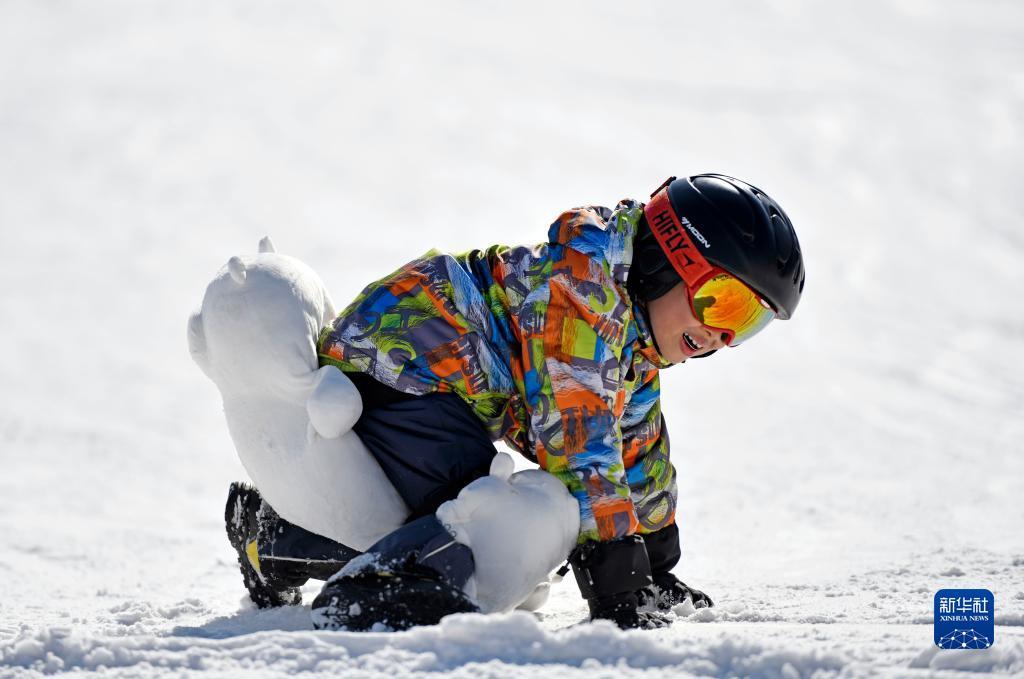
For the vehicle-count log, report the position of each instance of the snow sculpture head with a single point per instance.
(255, 336)
(261, 312)
(520, 527)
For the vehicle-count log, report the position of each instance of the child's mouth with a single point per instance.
(692, 343)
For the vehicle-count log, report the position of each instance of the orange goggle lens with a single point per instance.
(726, 303)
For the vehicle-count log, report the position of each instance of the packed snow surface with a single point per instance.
(833, 474)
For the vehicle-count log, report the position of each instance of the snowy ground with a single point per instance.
(833, 475)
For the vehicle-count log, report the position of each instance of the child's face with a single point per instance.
(672, 318)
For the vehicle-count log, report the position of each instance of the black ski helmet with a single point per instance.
(745, 232)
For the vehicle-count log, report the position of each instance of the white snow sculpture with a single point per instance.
(520, 527)
(255, 337)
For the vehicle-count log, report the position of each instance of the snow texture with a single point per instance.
(833, 474)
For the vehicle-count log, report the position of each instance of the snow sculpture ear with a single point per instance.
(236, 267)
(502, 466)
(197, 340)
(267, 245)
(335, 404)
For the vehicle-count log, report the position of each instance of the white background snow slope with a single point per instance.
(833, 474)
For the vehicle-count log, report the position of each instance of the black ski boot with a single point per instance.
(277, 557)
(412, 576)
(243, 516)
(667, 591)
(398, 599)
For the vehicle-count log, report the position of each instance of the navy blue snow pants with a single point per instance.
(430, 446)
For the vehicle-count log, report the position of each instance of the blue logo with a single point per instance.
(964, 618)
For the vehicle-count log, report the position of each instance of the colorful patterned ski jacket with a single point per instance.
(546, 346)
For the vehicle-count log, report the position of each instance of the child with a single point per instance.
(555, 349)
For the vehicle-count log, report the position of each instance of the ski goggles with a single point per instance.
(719, 300)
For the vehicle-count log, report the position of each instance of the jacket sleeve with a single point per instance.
(645, 452)
(575, 391)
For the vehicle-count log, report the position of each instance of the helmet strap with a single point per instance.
(674, 240)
